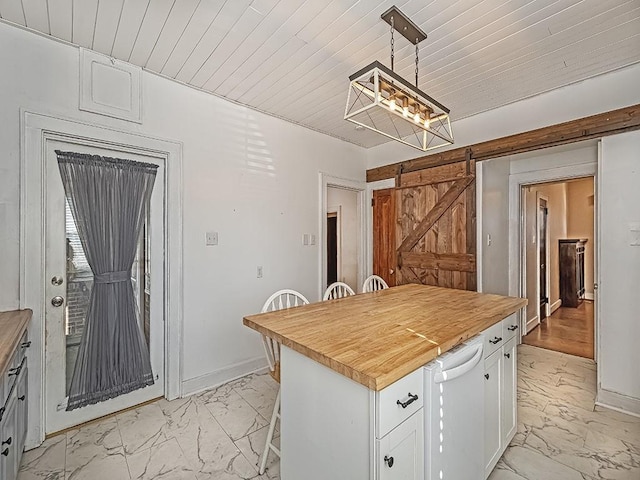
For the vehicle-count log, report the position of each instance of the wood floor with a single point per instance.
(568, 330)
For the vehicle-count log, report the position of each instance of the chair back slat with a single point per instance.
(374, 283)
(279, 301)
(337, 290)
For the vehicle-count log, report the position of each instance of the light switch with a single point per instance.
(634, 234)
(488, 239)
(211, 238)
(259, 272)
(313, 239)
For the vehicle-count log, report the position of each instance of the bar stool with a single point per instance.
(278, 301)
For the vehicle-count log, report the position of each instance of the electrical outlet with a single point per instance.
(313, 239)
(305, 239)
(211, 238)
(259, 272)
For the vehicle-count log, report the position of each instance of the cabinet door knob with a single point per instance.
(22, 398)
(5, 452)
(8, 441)
(486, 375)
(1, 413)
(389, 461)
(412, 398)
(508, 355)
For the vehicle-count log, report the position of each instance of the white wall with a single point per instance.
(250, 177)
(619, 275)
(347, 200)
(603, 93)
(580, 218)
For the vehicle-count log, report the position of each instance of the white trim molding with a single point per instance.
(555, 306)
(35, 130)
(223, 375)
(618, 402)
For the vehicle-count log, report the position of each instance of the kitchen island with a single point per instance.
(348, 365)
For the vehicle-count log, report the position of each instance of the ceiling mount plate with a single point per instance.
(403, 25)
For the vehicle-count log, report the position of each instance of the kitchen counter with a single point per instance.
(377, 338)
(12, 326)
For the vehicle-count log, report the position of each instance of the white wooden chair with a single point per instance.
(374, 283)
(337, 290)
(278, 301)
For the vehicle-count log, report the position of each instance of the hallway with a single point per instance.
(568, 330)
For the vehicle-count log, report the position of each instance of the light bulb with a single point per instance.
(427, 122)
(405, 111)
(392, 104)
(416, 117)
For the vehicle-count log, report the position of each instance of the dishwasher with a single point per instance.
(454, 413)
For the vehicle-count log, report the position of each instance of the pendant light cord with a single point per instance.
(416, 63)
(392, 43)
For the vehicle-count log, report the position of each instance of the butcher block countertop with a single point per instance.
(378, 338)
(12, 326)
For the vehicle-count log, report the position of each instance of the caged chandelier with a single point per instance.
(381, 100)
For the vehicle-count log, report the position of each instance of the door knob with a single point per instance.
(57, 301)
(391, 271)
(56, 281)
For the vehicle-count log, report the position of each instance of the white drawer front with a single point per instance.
(510, 327)
(398, 402)
(493, 339)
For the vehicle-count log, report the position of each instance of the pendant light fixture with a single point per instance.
(381, 100)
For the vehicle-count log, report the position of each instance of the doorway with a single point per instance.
(333, 245)
(342, 232)
(42, 260)
(558, 273)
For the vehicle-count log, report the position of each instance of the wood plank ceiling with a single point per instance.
(291, 58)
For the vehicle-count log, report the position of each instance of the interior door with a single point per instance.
(542, 245)
(384, 235)
(68, 284)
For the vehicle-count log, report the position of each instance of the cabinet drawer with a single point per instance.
(510, 327)
(493, 339)
(398, 402)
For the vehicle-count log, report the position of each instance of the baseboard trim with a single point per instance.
(555, 305)
(531, 323)
(618, 402)
(588, 296)
(223, 375)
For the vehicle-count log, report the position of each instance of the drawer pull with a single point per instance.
(486, 375)
(496, 340)
(412, 398)
(22, 398)
(5, 452)
(8, 441)
(1, 413)
(25, 344)
(389, 461)
(508, 355)
(512, 328)
(15, 371)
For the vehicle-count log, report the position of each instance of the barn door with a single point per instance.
(435, 227)
(384, 235)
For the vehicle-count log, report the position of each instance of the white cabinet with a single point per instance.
(492, 410)
(509, 421)
(500, 389)
(401, 451)
(13, 413)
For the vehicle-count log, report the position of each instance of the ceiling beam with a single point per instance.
(596, 126)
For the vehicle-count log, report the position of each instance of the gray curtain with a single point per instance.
(108, 198)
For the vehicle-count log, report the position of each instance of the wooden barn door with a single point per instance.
(435, 227)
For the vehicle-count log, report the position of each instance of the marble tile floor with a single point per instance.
(220, 433)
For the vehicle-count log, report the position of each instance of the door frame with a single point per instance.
(517, 284)
(547, 279)
(35, 130)
(360, 187)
